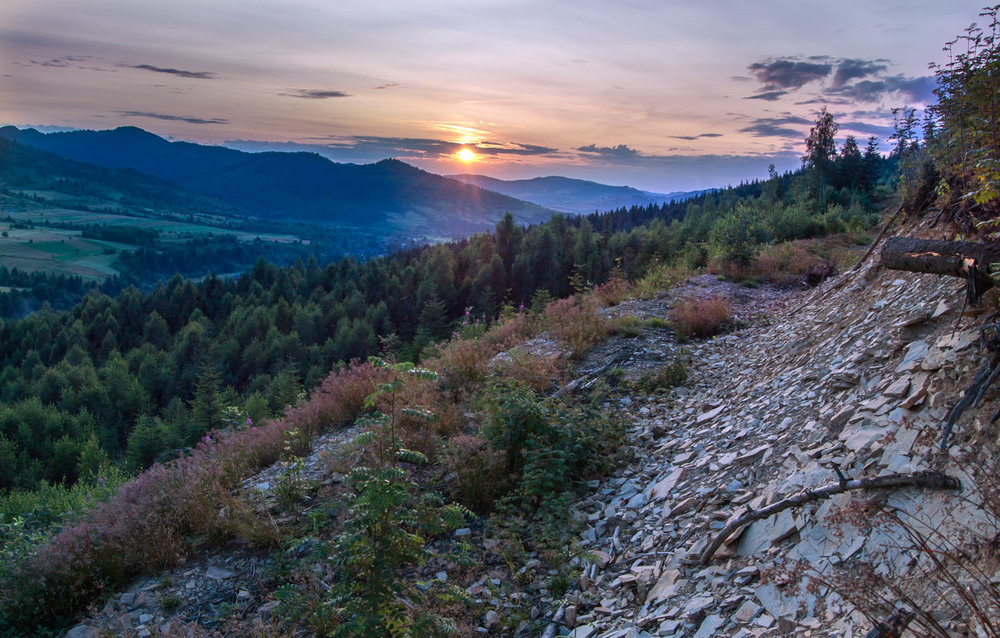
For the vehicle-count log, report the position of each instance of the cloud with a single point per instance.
(775, 126)
(387, 86)
(62, 62)
(617, 153)
(788, 73)
(173, 118)
(196, 75)
(918, 89)
(510, 148)
(780, 76)
(316, 94)
(362, 148)
(868, 129)
(770, 96)
(694, 137)
(853, 69)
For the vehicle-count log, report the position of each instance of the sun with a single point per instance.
(466, 155)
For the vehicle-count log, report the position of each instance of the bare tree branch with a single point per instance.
(927, 480)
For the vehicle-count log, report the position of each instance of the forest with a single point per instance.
(128, 377)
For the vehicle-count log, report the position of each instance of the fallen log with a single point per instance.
(927, 480)
(968, 260)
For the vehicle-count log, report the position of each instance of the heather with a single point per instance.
(150, 521)
(154, 520)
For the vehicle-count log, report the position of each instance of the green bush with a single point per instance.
(549, 446)
(385, 531)
(671, 374)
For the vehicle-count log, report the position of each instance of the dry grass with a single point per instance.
(576, 322)
(613, 292)
(700, 318)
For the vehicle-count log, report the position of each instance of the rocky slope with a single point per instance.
(859, 378)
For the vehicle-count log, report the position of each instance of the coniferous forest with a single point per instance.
(134, 376)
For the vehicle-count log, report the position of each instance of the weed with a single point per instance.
(170, 602)
(385, 528)
(613, 291)
(629, 327)
(656, 323)
(476, 472)
(661, 277)
(148, 523)
(670, 375)
(536, 372)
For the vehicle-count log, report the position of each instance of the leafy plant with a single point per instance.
(386, 527)
(670, 375)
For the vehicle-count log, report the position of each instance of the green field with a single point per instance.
(57, 251)
(54, 250)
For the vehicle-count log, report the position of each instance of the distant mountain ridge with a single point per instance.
(576, 196)
(295, 186)
(73, 183)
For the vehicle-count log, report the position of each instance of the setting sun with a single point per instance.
(466, 155)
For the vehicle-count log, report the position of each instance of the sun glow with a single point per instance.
(466, 155)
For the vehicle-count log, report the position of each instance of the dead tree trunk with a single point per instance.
(968, 260)
(926, 480)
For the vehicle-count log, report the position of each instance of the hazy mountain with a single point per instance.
(295, 186)
(65, 182)
(573, 195)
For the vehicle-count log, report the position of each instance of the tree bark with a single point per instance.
(955, 258)
(927, 480)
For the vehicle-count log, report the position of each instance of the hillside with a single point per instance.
(808, 386)
(575, 196)
(306, 187)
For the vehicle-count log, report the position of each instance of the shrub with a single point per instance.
(385, 529)
(548, 445)
(339, 399)
(661, 277)
(630, 327)
(576, 323)
(670, 375)
(513, 330)
(784, 261)
(476, 471)
(536, 372)
(613, 291)
(463, 362)
(699, 318)
(736, 237)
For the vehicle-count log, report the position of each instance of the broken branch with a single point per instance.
(927, 480)
(972, 396)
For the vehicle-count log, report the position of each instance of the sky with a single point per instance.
(663, 95)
